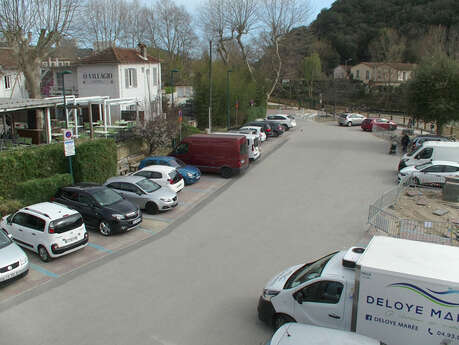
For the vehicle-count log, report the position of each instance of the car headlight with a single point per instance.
(118, 216)
(268, 294)
(189, 174)
(23, 261)
(165, 199)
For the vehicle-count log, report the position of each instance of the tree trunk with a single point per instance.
(244, 56)
(278, 70)
(31, 69)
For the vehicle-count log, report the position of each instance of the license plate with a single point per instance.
(135, 221)
(9, 275)
(70, 240)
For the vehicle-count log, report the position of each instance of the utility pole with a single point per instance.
(210, 86)
(228, 98)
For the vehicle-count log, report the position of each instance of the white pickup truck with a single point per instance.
(397, 291)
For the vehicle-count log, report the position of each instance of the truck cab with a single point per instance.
(318, 293)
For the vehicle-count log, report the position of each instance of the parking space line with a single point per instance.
(160, 219)
(43, 271)
(102, 249)
(151, 232)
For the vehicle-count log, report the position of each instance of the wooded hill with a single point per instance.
(353, 27)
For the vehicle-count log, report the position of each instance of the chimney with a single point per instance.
(142, 50)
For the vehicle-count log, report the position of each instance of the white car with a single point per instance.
(299, 334)
(431, 173)
(47, 228)
(163, 175)
(283, 119)
(13, 261)
(259, 131)
(292, 120)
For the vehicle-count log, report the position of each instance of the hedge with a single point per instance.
(255, 113)
(95, 161)
(9, 206)
(41, 189)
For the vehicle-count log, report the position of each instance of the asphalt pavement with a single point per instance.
(198, 282)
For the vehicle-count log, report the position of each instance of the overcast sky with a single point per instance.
(316, 5)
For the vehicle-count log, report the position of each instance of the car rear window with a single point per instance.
(255, 142)
(243, 148)
(67, 223)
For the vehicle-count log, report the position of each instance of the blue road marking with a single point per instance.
(102, 249)
(43, 271)
(151, 232)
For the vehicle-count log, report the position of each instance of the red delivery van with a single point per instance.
(223, 154)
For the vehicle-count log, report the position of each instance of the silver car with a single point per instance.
(13, 260)
(350, 119)
(283, 119)
(144, 193)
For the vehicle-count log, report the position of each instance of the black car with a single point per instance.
(265, 125)
(277, 128)
(101, 207)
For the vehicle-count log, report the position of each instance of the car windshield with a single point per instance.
(307, 272)
(4, 240)
(148, 185)
(106, 197)
(176, 163)
(422, 166)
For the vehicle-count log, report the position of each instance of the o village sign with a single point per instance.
(102, 77)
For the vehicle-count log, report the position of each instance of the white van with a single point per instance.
(252, 143)
(431, 151)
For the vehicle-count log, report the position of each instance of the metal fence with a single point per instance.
(382, 219)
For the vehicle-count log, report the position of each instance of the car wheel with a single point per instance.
(349, 124)
(285, 128)
(43, 254)
(105, 228)
(280, 320)
(226, 172)
(151, 208)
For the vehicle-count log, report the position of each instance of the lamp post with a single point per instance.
(172, 84)
(63, 93)
(228, 98)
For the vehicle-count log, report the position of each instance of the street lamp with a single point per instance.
(63, 73)
(172, 83)
(228, 98)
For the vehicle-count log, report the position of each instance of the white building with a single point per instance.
(12, 82)
(121, 73)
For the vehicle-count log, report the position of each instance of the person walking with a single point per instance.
(405, 142)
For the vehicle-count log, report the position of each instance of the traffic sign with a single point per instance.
(68, 134)
(69, 148)
(180, 116)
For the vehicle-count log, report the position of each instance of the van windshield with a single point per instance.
(307, 272)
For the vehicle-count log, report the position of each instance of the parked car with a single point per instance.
(283, 119)
(367, 124)
(252, 143)
(276, 127)
(102, 209)
(421, 139)
(292, 119)
(49, 229)
(164, 175)
(431, 151)
(431, 173)
(350, 119)
(14, 263)
(301, 334)
(223, 154)
(266, 127)
(258, 129)
(379, 123)
(143, 192)
(190, 173)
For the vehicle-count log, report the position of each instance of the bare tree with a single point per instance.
(31, 28)
(216, 24)
(243, 18)
(279, 17)
(157, 132)
(440, 40)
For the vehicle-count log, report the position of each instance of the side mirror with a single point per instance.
(10, 236)
(299, 297)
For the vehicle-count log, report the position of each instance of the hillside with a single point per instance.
(351, 25)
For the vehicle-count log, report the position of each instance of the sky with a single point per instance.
(316, 5)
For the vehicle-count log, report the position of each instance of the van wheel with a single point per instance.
(280, 320)
(349, 124)
(104, 228)
(151, 208)
(226, 172)
(43, 253)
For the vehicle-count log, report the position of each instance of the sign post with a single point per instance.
(180, 118)
(69, 149)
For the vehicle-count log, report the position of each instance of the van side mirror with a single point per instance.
(299, 297)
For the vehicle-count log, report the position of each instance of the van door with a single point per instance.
(35, 232)
(424, 156)
(321, 303)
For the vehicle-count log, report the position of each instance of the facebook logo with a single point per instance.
(368, 317)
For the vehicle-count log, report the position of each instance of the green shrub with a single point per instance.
(41, 189)
(8, 206)
(188, 130)
(255, 113)
(95, 161)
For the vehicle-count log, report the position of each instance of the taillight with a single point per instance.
(171, 181)
(51, 228)
(268, 130)
(253, 148)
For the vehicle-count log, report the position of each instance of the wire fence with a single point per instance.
(383, 220)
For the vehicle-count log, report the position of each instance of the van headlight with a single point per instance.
(268, 294)
(23, 260)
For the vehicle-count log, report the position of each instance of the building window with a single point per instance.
(7, 82)
(131, 77)
(155, 76)
(367, 75)
(358, 74)
(404, 75)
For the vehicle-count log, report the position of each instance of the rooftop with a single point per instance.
(115, 55)
(7, 59)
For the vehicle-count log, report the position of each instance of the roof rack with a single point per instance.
(36, 211)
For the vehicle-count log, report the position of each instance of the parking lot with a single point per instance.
(100, 246)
